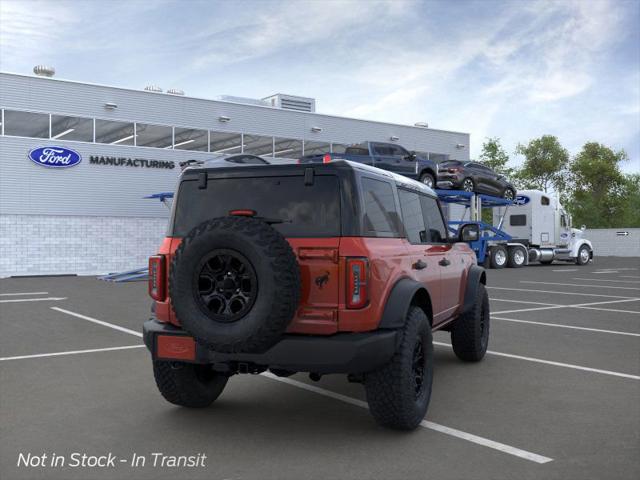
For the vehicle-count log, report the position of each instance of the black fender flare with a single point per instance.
(400, 299)
(475, 277)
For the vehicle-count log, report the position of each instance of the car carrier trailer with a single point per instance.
(532, 228)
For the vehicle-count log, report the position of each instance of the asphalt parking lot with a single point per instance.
(556, 397)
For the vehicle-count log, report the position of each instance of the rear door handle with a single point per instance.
(444, 262)
(419, 265)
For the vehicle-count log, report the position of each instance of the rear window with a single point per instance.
(450, 163)
(307, 210)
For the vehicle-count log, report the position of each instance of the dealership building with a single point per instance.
(77, 160)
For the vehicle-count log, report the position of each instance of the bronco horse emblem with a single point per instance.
(322, 280)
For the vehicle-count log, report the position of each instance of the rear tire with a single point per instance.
(468, 185)
(188, 385)
(517, 257)
(498, 256)
(470, 332)
(509, 194)
(398, 394)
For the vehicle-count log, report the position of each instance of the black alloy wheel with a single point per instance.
(225, 285)
(467, 185)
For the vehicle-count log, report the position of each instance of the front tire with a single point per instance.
(188, 385)
(468, 185)
(470, 332)
(398, 394)
(509, 194)
(428, 180)
(584, 255)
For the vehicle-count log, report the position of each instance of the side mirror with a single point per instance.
(411, 156)
(469, 232)
(583, 228)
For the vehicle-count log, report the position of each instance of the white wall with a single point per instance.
(607, 242)
(83, 245)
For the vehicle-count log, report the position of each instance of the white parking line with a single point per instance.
(533, 457)
(580, 285)
(611, 310)
(72, 352)
(559, 293)
(18, 300)
(566, 270)
(523, 301)
(576, 305)
(99, 322)
(598, 330)
(605, 280)
(629, 276)
(23, 293)
(556, 364)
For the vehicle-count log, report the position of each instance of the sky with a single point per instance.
(510, 69)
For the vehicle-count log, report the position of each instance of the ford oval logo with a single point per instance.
(55, 157)
(521, 200)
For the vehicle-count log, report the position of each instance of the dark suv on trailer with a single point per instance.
(474, 177)
(324, 268)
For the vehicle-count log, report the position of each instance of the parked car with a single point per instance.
(388, 156)
(474, 177)
(328, 268)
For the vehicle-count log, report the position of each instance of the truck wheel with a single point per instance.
(470, 332)
(498, 255)
(427, 179)
(398, 394)
(235, 284)
(517, 257)
(584, 255)
(187, 384)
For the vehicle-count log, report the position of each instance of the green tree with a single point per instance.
(545, 164)
(495, 157)
(630, 216)
(599, 194)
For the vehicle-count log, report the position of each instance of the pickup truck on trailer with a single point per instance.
(324, 268)
(387, 156)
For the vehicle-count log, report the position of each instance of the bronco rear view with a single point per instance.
(322, 268)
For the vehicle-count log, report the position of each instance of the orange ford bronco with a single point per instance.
(327, 268)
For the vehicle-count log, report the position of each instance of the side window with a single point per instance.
(436, 229)
(380, 208)
(518, 220)
(381, 149)
(398, 151)
(563, 220)
(544, 201)
(412, 216)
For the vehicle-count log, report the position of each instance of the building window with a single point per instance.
(438, 157)
(71, 128)
(26, 124)
(191, 139)
(114, 133)
(316, 148)
(287, 148)
(258, 145)
(338, 148)
(157, 136)
(225, 143)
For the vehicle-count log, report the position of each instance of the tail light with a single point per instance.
(326, 158)
(357, 282)
(157, 277)
(453, 170)
(242, 213)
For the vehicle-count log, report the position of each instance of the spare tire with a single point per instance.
(235, 284)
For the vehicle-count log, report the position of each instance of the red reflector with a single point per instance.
(242, 213)
(326, 158)
(357, 282)
(157, 277)
(175, 347)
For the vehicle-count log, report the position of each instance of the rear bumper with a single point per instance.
(339, 353)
